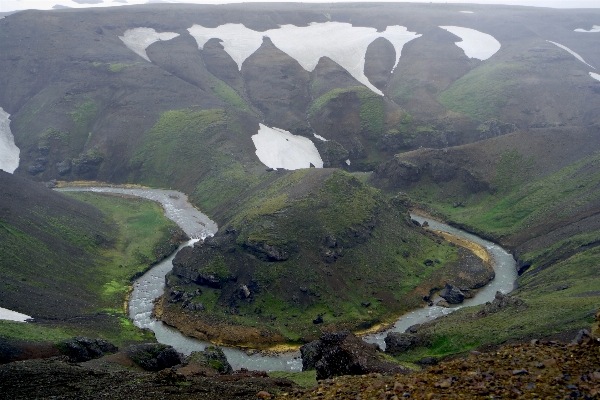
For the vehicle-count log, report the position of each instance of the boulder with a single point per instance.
(397, 342)
(80, 349)
(342, 353)
(194, 306)
(212, 358)
(154, 356)
(501, 301)
(452, 294)
(310, 353)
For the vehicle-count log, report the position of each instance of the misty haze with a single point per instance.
(276, 200)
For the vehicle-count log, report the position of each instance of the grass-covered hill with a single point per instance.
(536, 192)
(314, 243)
(68, 263)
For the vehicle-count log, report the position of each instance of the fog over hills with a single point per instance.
(307, 132)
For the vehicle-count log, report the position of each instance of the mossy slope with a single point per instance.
(62, 260)
(314, 242)
(541, 200)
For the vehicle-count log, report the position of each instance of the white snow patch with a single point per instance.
(9, 152)
(348, 162)
(341, 42)
(238, 41)
(475, 44)
(138, 39)
(13, 315)
(577, 56)
(466, 12)
(319, 137)
(595, 29)
(277, 148)
(595, 76)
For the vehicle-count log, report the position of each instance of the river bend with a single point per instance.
(198, 226)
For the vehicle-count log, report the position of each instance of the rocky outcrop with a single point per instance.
(342, 353)
(333, 154)
(154, 357)
(452, 294)
(87, 164)
(441, 166)
(272, 253)
(211, 358)
(501, 301)
(203, 264)
(80, 349)
(493, 128)
(398, 342)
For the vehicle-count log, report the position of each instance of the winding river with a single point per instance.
(198, 226)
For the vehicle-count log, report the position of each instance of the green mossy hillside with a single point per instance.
(371, 107)
(313, 242)
(483, 91)
(552, 225)
(558, 300)
(520, 202)
(177, 140)
(64, 260)
(206, 153)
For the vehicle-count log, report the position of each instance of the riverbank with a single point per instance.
(473, 251)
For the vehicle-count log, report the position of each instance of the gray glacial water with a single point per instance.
(151, 285)
(506, 273)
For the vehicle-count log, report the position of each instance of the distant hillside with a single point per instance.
(63, 260)
(84, 105)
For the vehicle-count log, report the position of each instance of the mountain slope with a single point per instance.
(69, 264)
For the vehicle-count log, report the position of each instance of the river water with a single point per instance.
(506, 273)
(198, 226)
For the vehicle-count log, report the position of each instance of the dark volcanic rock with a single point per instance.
(201, 265)
(342, 353)
(80, 349)
(311, 353)
(329, 75)
(154, 357)
(379, 61)
(501, 301)
(212, 357)
(273, 253)
(452, 294)
(397, 342)
(278, 85)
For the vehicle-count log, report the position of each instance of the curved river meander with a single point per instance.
(197, 225)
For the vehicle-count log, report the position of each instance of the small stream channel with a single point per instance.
(198, 226)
